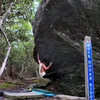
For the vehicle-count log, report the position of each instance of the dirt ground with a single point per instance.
(18, 86)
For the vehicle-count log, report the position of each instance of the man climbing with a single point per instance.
(43, 67)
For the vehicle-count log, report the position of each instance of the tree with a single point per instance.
(19, 31)
(2, 18)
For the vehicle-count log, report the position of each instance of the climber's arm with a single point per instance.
(48, 66)
(38, 59)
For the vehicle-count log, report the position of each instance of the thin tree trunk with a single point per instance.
(21, 70)
(2, 18)
(7, 54)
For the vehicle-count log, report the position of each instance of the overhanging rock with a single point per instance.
(59, 29)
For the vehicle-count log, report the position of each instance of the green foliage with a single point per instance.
(19, 31)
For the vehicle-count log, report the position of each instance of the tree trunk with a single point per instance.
(2, 18)
(5, 61)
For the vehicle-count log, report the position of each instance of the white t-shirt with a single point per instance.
(41, 73)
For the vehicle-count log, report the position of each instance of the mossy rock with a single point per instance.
(41, 82)
(17, 82)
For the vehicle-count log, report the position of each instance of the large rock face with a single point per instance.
(59, 29)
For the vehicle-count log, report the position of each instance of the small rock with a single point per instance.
(38, 83)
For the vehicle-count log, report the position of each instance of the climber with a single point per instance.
(43, 67)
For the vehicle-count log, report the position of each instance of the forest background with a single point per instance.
(17, 25)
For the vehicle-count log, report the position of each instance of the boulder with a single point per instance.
(59, 30)
(40, 83)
